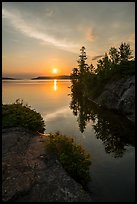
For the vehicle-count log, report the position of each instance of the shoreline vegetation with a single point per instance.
(111, 84)
(74, 159)
(19, 114)
(90, 81)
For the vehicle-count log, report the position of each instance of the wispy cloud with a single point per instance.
(97, 57)
(89, 35)
(31, 31)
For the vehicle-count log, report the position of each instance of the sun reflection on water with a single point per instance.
(55, 85)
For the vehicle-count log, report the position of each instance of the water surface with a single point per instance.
(107, 137)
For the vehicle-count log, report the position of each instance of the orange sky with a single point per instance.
(40, 36)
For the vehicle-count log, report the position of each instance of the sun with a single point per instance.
(55, 71)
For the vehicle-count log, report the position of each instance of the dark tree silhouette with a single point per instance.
(82, 60)
(125, 52)
(114, 55)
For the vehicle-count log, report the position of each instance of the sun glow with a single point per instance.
(55, 71)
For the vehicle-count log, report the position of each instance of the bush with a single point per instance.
(73, 157)
(17, 114)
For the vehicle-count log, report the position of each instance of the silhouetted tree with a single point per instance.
(103, 65)
(91, 68)
(125, 52)
(75, 73)
(114, 55)
(82, 61)
(83, 73)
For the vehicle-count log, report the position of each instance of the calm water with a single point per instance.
(107, 137)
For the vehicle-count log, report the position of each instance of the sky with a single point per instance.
(40, 36)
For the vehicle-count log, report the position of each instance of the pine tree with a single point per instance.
(82, 61)
(125, 52)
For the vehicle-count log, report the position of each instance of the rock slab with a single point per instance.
(30, 174)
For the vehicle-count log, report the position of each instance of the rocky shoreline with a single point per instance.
(30, 174)
(119, 96)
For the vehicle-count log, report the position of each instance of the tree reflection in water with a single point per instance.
(115, 131)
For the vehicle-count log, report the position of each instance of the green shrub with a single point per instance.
(17, 114)
(73, 157)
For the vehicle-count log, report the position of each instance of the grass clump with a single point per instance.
(73, 157)
(19, 114)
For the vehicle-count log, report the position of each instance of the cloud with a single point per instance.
(89, 35)
(31, 31)
(97, 57)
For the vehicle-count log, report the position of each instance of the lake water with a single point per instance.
(108, 138)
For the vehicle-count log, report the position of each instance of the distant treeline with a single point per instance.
(8, 78)
(41, 77)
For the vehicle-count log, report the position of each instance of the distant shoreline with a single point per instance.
(8, 78)
(40, 78)
(51, 77)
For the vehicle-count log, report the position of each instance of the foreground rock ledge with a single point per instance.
(31, 175)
